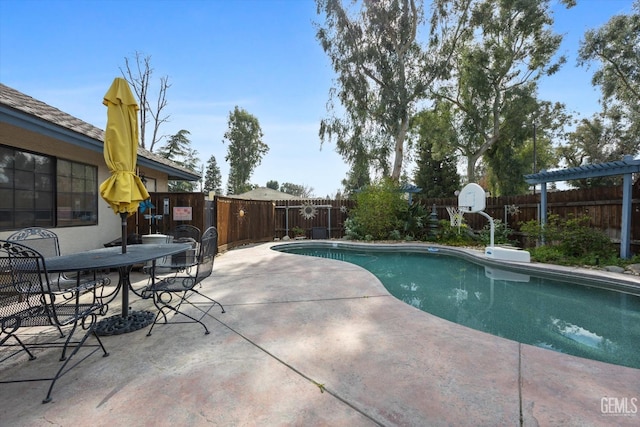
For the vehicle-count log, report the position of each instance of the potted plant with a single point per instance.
(299, 233)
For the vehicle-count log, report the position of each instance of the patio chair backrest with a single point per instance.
(44, 241)
(21, 288)
(208, 250)
(185, 231)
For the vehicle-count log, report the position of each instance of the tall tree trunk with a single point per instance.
(399, 149)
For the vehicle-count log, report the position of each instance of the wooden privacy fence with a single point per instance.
(168, 211)
(319, 218)
(603, 205)
(238, 221)
(244, 221)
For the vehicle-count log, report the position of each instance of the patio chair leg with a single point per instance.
(24, 347)
(79, 344)
(177, 311)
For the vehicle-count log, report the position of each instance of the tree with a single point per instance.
(494, 73)
(178, 149)
(177, 146)
(529, 125)
(616, 47)
(273, 185)
(591, 142)
(139, 78)
(245, 150)
(382, 73)
(213, 178)
(297, 190)
(190, 161)
(436, 173)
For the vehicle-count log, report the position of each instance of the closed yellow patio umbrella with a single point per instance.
(123, 190)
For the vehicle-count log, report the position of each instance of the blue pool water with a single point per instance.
(584, 321)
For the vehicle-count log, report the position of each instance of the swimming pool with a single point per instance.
(527, 305)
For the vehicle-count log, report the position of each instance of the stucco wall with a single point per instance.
(75, 239)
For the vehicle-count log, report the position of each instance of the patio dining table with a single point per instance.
(114, 257)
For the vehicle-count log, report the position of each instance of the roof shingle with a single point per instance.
(28, 105)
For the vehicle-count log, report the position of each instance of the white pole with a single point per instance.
(493, 229)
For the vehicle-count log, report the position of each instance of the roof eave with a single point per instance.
(41, 126)
(37, 125)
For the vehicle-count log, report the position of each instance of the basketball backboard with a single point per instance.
(472, 198)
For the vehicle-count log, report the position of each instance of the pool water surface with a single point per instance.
(584, 321)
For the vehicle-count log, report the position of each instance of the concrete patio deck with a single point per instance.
(317, 342)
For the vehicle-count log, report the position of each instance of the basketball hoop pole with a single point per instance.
(493, 228)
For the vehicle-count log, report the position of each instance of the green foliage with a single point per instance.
(178, 149)
(298, 231)
(376, 57)
(213, 178)
(297, 190)
(382, 72)
(413, 222)
(501, 234)
(378, 207)
(177, 146)
(376, 213)
(447, 234)
(437, 172)
(525, 144)
(614, 51)
(569, 241)
(579, 239)
(549, 255)
(353, 230)
(245, 150)
(494, 75)
(592, 141)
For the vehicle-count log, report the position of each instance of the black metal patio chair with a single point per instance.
(185, 231)
(28, 299)
(182, 233)
(46, 243)
(190, 234)
(179, 287)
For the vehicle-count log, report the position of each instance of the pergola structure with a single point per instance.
(626, 167)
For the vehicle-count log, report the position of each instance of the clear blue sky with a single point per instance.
(261, 55)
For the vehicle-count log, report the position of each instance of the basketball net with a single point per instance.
(456, 216)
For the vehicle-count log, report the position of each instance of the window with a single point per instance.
(39, 190)
(77, 195)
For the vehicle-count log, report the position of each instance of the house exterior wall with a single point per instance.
(79, 238)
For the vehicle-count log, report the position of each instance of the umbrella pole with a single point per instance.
(125, 290)
(123, 217)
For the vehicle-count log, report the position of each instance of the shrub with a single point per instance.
(377, 212)
(352, 230)
(454, 236)
(501, 233)
(413, 219)
(579, 239)
(569, 241)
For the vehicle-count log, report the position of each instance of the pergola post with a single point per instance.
(625, 231)
(626, 167)
(543, 206)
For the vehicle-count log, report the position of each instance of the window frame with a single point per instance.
(43, 208)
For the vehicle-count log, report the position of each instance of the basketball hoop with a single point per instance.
(456, 216)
